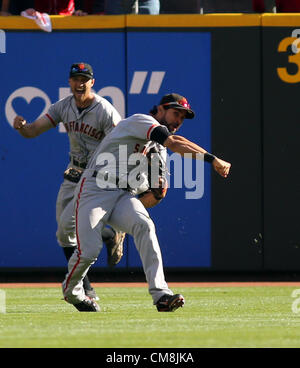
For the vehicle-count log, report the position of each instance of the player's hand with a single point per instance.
(149, 200)
(19, 122)
(221, 167)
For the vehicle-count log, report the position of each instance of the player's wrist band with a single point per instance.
(209, 157)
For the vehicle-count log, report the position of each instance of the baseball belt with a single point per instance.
(77, 163)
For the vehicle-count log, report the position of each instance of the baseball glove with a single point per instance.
(155, 194)
(73, 174)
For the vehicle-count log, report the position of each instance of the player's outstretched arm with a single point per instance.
(34, 129)
(181, 145)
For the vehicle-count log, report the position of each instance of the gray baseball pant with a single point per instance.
(65, 218)
(94, 208)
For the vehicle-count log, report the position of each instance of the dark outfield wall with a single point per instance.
(256, 216)
(236, 136)
(281, 129)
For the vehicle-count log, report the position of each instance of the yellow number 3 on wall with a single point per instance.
(283, 74)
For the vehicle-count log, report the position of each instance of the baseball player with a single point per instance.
(87, 118)
(106, 194)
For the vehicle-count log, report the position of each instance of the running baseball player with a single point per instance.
(88, 118)
(106, 194)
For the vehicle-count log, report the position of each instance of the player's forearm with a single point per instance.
(25, 132)
(28, 131)
(182, 146)
(31, 130)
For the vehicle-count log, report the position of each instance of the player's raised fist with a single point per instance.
(221, 167)
(19, 122)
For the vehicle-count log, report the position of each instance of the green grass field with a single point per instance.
(239, 317)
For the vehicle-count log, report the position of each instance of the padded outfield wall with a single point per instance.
(227, 66)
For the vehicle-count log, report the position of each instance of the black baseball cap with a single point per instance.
(83, 69)
(176, 101)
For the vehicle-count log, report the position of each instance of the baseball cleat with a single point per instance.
(87, 305)
(169, 303)
(114, 248)
(91, 293)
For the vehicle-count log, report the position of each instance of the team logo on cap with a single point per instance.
(183, 102)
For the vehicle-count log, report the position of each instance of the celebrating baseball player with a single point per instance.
(88, 118)
(106, 195)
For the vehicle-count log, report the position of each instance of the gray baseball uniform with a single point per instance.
(97, 206)
(85, 130)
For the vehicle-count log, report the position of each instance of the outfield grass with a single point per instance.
(212, 317)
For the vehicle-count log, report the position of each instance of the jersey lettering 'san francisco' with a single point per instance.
(74, 126)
